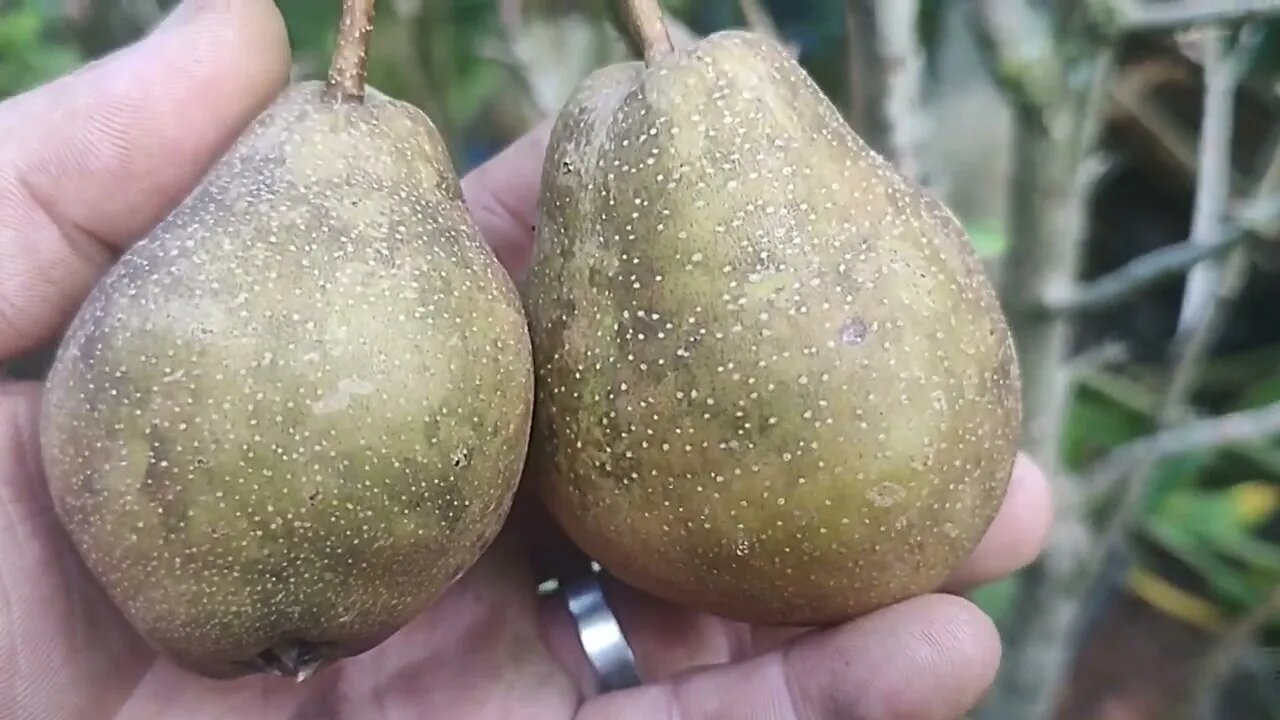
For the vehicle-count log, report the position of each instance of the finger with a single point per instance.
(59, 630)
(929, 658)
(668, 639)
(1016, 535)
(94, 160)
(502, 195)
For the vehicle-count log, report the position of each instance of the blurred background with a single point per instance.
(1118, 167)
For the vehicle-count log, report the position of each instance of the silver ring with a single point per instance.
(601, 636)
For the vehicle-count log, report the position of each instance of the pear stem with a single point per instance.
(644, 20)
(347, 72)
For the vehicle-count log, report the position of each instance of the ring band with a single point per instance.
(601, 636)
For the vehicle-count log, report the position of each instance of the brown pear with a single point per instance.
(773, 382)
(293, 415)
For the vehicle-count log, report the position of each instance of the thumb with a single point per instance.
(93, 160)
(928, 658)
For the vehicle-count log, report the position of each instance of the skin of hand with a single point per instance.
(90, 162)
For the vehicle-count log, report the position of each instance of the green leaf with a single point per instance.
(1172, 478)
(1211, 531)
(1261, 393)
(28, 56)
(1227, 585)
(1097, 424)
(988, 241)
(996, 598)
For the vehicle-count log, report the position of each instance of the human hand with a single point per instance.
(90, 163)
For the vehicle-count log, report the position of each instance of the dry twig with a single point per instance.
(1226, 652)
(1243, 427)
(886, 66)
(1145, 15)
(1223, 71)
(1143, 272)
(1258, 219)
(1056, 91)
(759, 19)
(1196, 342)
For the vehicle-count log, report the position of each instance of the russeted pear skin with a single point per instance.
(773, 382)
(289, 418)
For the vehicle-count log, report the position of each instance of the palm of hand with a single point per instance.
(106, 153)
(73, 656)
(490, 648)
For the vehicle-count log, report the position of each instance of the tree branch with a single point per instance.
(1222, 75)
(866, 81)
(1019, 42)
(1195, 340)
(904, 65)
(1141, 16)
(1194, 347)
(1243, 427)
(1135, 97)
(1134, 90)
(1216, 666)
(1141, 273)
(886, 66)
(1054, 171)
(759, 19)
(1260, 219)
(1053, 65)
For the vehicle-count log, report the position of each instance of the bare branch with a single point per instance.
(1054, 66)
(864, 76)
(1222, 657)
(1134, 91)
(1155, 120)
(1195, 338)
(1054, 170)
(904, 65)
(886, 66)
(1222, 75)
(1099, 357)
(1258, 218)
(1019, 39)
(1143, 272)
(1137, 397)
(1145, 15)
(1243, 427)
(1194, 353)
(759, 19)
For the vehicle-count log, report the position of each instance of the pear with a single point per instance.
(772, 381)
(287, 420)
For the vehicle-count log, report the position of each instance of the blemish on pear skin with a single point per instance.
(853, 332)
